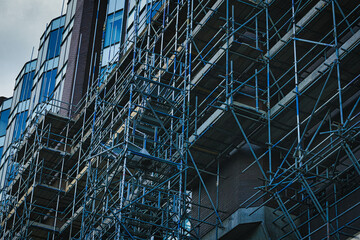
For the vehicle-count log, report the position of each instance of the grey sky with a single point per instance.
(22, 23)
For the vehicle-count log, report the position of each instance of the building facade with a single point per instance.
(34, 88)
(47, 66)
(188, 120)
(5, 107)
(4, 118)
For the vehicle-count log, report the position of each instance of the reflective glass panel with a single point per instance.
(113, 28)
(20, 124)
(26, 86)
(152, 12)
(4, 117)
(48, 85)
(54, 43)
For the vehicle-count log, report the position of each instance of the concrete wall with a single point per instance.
(235, 187)
(251, 224)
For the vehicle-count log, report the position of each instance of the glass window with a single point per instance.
(152, 12)
(57, 23)
(7, 104)
(13, 171)
(113, 28)
(48, 85)
(115, 5)
(4, 117)
(131, 5)
(26, 86)
(54, 43)
(20, 124)
(1, 150)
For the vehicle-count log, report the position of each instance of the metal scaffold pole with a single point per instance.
(216, 118)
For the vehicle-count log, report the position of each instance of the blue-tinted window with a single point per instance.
(26, 86)
(113, 28)
(13, 171)
(54, 43)
(20, 124)
(48, 85)
(4, 116)
(1, 151)
(155, 8)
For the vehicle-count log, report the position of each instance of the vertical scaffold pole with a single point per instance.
(268, 87)
(298, 148)
(337, 62)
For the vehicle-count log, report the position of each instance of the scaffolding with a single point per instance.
(194, 83)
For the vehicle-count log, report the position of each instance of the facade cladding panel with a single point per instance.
(158, 119)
